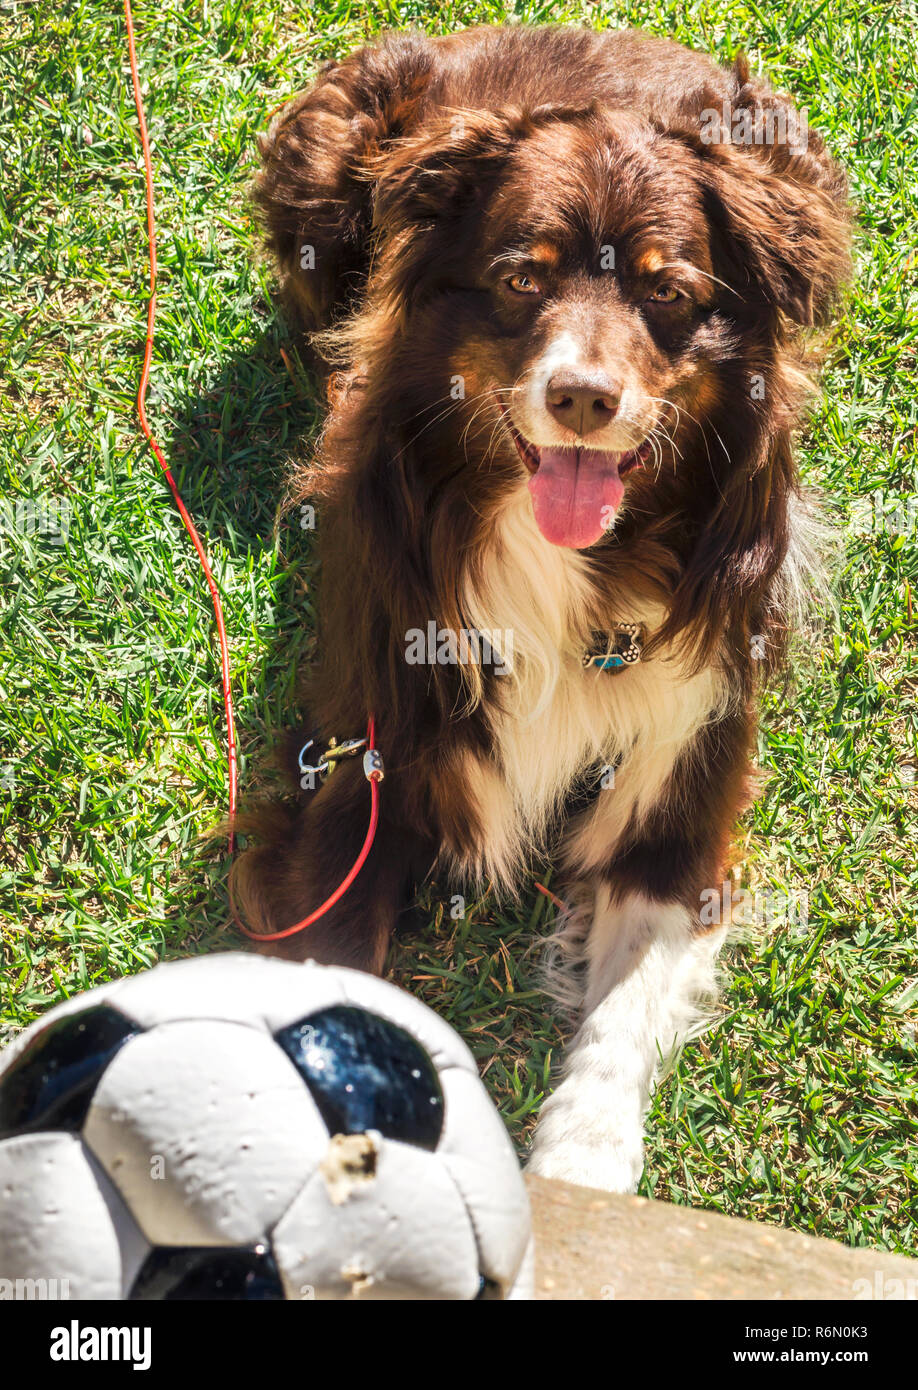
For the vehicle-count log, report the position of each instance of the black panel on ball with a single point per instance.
(366, 1073)
(51, 1083)
(175, 1273)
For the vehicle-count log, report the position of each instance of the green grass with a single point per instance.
(799, 1108)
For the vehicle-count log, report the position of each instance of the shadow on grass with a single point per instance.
(231, 449)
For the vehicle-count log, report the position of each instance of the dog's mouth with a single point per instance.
(576, 492)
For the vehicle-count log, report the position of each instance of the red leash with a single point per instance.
(373, 769)
(148, 433)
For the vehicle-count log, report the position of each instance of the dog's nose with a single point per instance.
(581, 401)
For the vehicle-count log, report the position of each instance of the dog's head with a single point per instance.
(591, 301)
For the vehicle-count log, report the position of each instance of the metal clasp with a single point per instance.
(347, 749)
(326, 764)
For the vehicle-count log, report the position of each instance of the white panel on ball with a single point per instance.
(56, 1222)
(207, 1131)
(478, 1154)
(405, 1234)
(230, 986)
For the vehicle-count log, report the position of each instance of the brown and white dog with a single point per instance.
(565, 274)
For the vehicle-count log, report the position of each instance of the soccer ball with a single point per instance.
(234, 1127)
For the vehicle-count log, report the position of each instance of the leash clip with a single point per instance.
(347, 749)
(326, 764)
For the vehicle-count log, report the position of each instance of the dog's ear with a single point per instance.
(781, 222)
(314, 199)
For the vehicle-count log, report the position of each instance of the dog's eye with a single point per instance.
(665, 294)
(522, 284)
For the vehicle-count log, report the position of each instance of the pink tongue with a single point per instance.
(575, 495)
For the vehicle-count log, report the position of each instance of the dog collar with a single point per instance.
(617, 649)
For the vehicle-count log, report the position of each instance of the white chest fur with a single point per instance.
(557, 719)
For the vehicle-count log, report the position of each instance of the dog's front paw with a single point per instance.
(612, 1169)
(588, 1136)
